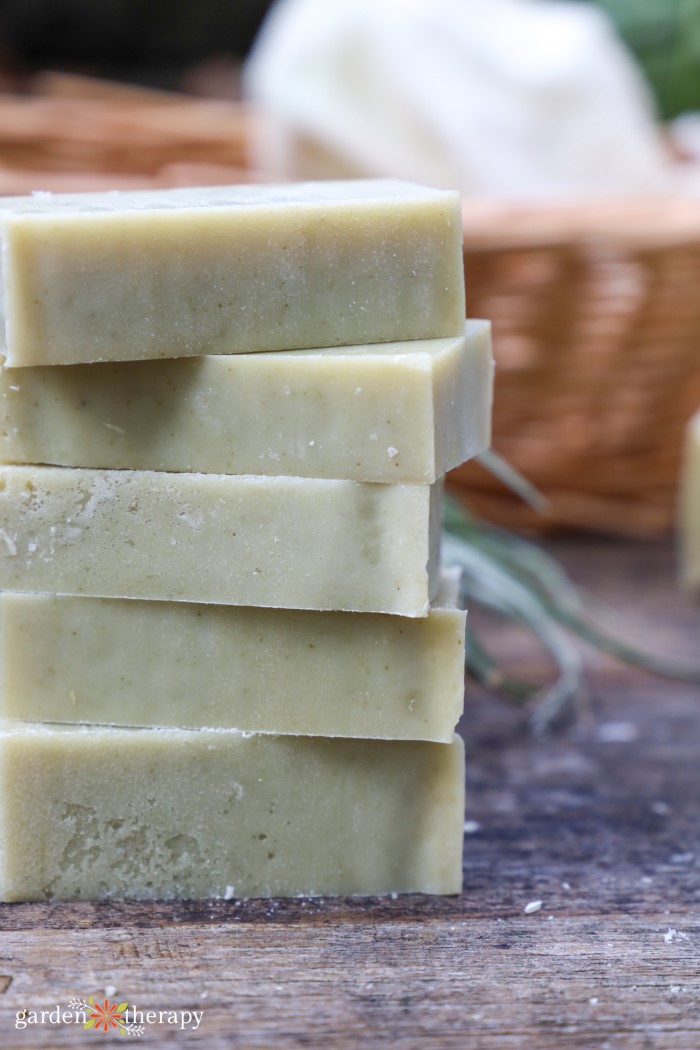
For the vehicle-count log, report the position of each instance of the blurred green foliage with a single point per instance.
(664, 36)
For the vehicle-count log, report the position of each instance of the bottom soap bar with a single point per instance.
(97, 813)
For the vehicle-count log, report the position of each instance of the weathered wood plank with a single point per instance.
(534, 981)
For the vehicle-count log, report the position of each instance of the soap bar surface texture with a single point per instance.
(299, 543)
(389, 412)
(185, 272)
(136, 663)
(94, 813)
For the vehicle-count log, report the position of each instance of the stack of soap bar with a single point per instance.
(228, 665)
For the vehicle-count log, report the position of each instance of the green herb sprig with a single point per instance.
(517, 579)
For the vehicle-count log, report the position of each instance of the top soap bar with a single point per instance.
(179, 273)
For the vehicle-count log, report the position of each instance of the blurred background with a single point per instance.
(570, 128)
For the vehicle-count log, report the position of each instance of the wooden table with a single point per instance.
(600, 822)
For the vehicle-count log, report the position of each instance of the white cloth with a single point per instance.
(504, 98)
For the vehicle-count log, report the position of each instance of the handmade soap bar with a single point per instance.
(175, 273)
(300, 543)
(389, 412)
(690, 507)
(111, 661)
(95, 813)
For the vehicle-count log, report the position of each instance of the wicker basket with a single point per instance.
(75, 133)
(596, 313)
(596, 309)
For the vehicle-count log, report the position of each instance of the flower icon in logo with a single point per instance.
(109, 1015)
(105, 1016)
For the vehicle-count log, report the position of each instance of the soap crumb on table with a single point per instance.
(532, 907)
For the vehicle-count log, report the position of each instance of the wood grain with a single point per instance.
(600, 822)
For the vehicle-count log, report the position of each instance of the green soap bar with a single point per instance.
(99, 813)
(137, 663)
(390, 412)
(296, 543)
(229, 269)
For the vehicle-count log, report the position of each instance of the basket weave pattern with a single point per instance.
(80, 134)
(596, 314)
